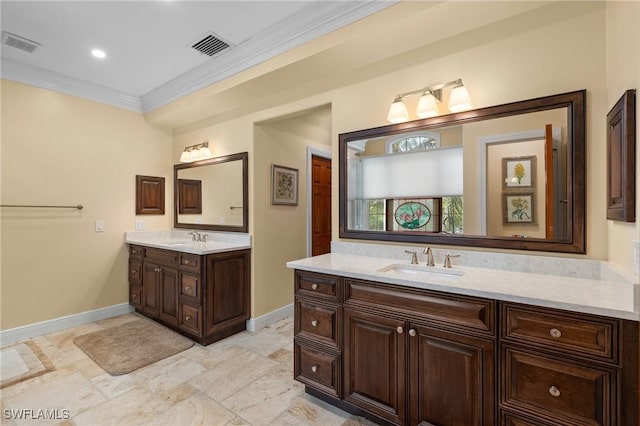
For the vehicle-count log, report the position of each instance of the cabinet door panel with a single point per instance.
(150, 290)
(374, 368)
(452, 378)
(227, 289)
(169, 295)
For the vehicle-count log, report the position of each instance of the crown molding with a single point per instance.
(39, 77)
(318, 19)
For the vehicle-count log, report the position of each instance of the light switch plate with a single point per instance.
(140, 225)
(99, 225)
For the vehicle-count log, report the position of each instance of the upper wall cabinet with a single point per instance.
(510, 176)
(149, 195)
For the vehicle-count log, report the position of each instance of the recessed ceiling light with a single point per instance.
(100, 54)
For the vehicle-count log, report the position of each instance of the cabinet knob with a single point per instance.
(314, 323)
(399, 330)
(314, 286)
(134, 296)
(187, 317)
(133, 271)
(412, 332)
(554, 391)
(555, 333)
(314, 368)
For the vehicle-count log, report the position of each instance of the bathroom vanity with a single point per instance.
(199, 289)
(408, 344)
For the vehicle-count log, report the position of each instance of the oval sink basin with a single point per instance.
(421, 271)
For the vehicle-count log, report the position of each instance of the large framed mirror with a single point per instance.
(510, 176)
(212, 194)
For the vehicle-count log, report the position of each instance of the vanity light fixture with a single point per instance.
(459, 100)
(196, 152)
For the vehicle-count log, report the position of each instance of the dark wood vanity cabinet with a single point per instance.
(206, 298)
(418, 357)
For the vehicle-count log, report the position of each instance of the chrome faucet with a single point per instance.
(429, 253)
(447, 259)
(195, 236)
(414, 256)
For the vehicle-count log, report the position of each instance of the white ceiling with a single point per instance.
(150, 62)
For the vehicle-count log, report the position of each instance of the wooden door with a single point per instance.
(320, 205)
(150, 290)
(168, 288)
(451, 378)
(374, 364)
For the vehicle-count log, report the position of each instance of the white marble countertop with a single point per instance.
(180, 240)
(608, 298)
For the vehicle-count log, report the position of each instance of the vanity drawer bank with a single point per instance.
(465, 347)
(205, 297)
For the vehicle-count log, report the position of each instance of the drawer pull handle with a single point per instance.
(187, 288)
(555, 333)
(554, 391)
(187, 317)
(314, 368)
(133, 271)
(399, 330)
(134, 296)
(314, 323)
(412, 332)
(314, 286)
(187, 262)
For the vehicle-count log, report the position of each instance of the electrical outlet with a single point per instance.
(99, 225)
(222, 220)
(636, 257)
(140, 225)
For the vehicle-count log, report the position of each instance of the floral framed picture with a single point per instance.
(519, 208)
(518, 173)
(284, 185)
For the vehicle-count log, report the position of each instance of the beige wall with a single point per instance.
(623, 72)
(58, 149)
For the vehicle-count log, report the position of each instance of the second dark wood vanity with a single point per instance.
(204, 297)
(409, 356)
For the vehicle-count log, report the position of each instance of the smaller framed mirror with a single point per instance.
(212, 194)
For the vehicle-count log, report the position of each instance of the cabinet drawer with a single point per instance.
(318, 285)
(135, 296)
(509, 419)
(190, 285)
(135, 271)
(162, 256)
(572, 394)
(318, 322)
(190, 262)
(317, 369)
(136, 251)
(575, 334)
(190, 319)
(449, 310)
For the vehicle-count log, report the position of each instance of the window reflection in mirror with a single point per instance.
(522, 173)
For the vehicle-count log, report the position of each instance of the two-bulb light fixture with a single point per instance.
(196, 152)
(459, 100)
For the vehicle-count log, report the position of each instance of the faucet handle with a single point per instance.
(193, 235)
(204, 237)
(447, 259)
(414, 256)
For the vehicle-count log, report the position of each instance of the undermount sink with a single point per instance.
(421, 271)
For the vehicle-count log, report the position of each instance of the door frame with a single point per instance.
(311, 151)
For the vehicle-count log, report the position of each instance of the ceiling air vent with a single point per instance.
(210, 45)
(18, 42)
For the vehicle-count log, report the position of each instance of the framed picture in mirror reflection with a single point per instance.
(519, 173)
(519, 208)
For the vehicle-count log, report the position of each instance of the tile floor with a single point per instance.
(246, 379)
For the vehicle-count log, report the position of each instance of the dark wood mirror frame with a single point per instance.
(575, 102)
(242, 156)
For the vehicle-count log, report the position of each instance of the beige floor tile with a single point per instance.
(138, 406)
(178, 394)
(168, 373)
(113, 386)
(304, 411)
(196, 410)
(265, 343)
(72, 392)
(263, 400)
(119, 320)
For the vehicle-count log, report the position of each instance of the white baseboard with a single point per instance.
(50, 326)
(257, 324)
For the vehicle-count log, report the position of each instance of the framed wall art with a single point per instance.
(519, 208)
(518, 173)
(284, 185)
